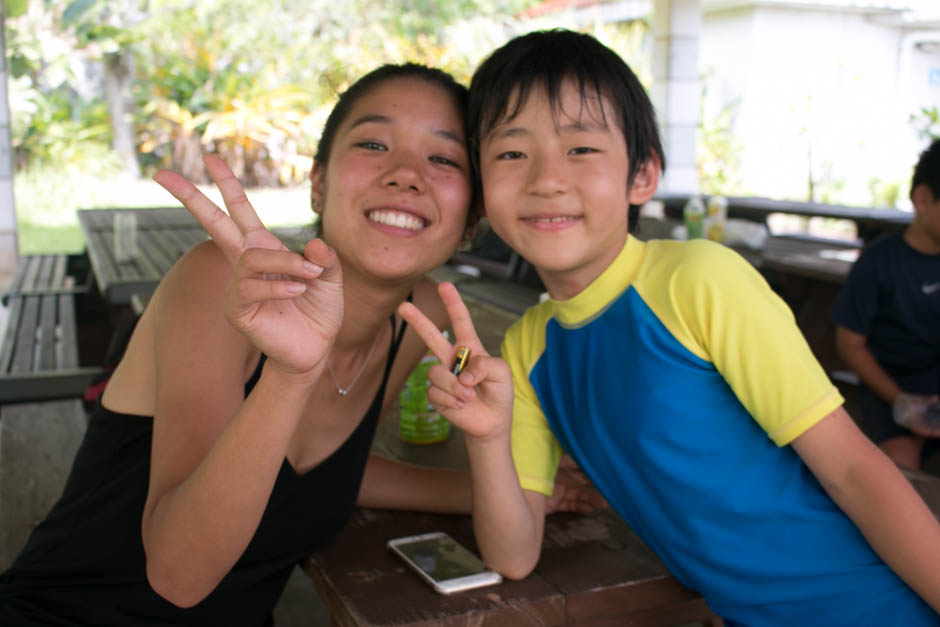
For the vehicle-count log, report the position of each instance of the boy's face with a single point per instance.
(555, 187)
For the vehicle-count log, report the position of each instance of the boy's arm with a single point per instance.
(508, 521)
(853, 350)
(877, 498)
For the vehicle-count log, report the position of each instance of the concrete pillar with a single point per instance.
(677, 25)
(8, 245)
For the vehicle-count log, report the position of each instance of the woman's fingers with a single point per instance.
(265, 261)
(233, 194)
(215, 221)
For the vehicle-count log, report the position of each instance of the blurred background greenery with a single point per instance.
(104, 92)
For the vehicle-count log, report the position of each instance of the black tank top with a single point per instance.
(84, 563)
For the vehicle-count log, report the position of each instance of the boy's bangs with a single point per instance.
(594, 102)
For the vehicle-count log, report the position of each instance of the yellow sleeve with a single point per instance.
(535, 450)
(720, 308)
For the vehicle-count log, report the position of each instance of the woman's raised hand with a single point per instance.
(289, 305)
(479, 400)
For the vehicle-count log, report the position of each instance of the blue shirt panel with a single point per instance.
(666, 441)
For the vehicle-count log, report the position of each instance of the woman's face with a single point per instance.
(395, 193)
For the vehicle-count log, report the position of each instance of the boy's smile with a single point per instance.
(555, 187)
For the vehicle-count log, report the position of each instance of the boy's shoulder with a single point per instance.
(696, 260)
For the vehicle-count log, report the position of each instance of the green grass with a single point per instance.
(46, 202)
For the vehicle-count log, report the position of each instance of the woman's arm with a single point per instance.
(390, 484)
(215, 454)
(880, 501)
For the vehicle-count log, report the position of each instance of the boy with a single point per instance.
(888, 324)
(669, 371)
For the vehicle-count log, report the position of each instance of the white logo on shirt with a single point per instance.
(930, 288)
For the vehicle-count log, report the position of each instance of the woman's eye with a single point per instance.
(445, 161)
(582, 150)
(369, 145)
(510, 154)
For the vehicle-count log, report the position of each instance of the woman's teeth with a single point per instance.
(394, 218)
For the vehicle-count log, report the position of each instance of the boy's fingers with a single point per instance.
(233, 193)
(427, 331)
(215, 221)
(460, 319)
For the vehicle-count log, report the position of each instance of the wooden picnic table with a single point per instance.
(163, 235)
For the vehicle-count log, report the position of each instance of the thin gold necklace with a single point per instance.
(343, 391)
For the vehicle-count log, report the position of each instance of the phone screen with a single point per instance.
(442, 558)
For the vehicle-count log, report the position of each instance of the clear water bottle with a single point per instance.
(419, 422)
(693, 215)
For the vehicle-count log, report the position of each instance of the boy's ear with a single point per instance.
(646, 181)
(316, 187)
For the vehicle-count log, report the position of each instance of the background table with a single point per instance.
(163, 235)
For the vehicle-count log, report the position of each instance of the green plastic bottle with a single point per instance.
(419, 422)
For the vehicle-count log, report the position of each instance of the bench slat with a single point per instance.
(24, 352)
(46, 334)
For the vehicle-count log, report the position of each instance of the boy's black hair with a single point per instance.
(927, 170)
(374, 79)
(545, 60)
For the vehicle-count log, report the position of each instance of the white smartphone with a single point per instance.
(443, 563)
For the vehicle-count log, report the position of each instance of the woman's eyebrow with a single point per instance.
(377, 118)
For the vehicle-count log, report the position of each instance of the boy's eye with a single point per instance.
(510, 154)
(582, 150)
(371, 145)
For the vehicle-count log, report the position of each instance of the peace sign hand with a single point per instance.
(289, 305)
(479, 400)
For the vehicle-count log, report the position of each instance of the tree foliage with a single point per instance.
(249, 79)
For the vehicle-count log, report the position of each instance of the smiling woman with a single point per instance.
(221, 454)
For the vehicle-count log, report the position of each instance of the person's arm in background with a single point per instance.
(853, 349)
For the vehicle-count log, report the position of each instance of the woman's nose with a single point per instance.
(405, 175)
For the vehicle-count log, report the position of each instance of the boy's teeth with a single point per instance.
(560, 219)
(394, 218)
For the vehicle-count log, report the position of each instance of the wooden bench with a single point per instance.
(39, 357)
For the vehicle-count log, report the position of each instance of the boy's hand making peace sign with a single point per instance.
(290, 306)
(479, 400)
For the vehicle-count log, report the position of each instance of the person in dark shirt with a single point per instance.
(887, 321)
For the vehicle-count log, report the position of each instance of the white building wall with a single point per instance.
(815, 89)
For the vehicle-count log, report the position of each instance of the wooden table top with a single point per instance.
(163, 235)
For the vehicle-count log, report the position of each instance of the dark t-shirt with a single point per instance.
(892, 296)
(84, 564)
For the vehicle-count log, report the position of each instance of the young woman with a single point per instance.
(234, 436)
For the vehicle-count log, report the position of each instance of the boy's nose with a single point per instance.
(548, 177)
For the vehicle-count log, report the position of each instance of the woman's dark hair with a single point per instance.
(927, 170)
(546, 60)
(377, 77)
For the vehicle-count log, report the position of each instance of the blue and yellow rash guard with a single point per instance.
(675, 380)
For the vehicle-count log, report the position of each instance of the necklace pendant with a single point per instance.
(342, 391)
